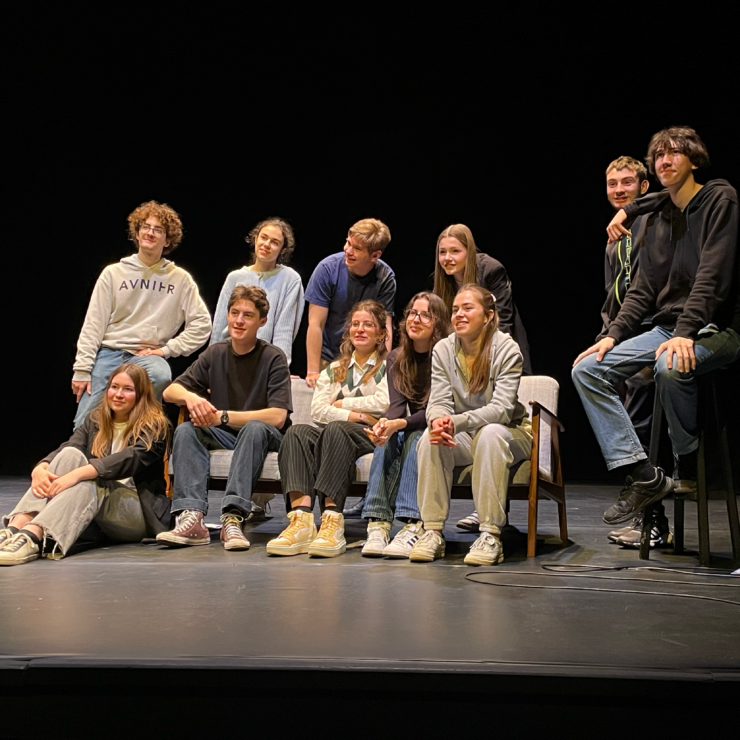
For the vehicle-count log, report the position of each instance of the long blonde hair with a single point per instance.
(444, 285)
(479, 373)
(346, 349)
(146, 421)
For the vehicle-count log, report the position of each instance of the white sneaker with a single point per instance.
(330, 540)
(429, 547)
(20, 548)
(486, 550)
(378, 537)
(404, 541)
(296, 537)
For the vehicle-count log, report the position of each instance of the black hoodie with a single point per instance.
(688, 273)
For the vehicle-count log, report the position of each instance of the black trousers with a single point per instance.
(321, 461)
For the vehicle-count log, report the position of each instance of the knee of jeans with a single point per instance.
(665, 376)
(184, 430)
(253, 430)
(160, 374)
(580, 371)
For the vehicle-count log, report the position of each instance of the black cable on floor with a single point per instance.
(473, 577)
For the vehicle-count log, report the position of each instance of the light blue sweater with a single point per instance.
(285, 294)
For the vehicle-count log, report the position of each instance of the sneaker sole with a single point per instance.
(182, 541)
(425, 558)
(667, 542)
(236, 545)
(396, 554)
(318, 551)
(667, 488)
(474, 558)
(372, 553)
(20, 561)
(297, 549)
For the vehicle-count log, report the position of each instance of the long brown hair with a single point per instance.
(347, 348)
(405, 366)
(444, 285)
(146, 422)
(481, 369)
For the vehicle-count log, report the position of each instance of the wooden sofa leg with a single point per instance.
(532, 526)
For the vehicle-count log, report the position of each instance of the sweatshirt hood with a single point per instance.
(162, 267)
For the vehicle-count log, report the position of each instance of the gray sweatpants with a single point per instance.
(492, 450)
(114, 507)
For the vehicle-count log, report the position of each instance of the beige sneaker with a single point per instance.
(429, 547)
(486, 550)
(232, 535)
(19, 549)
(330, 540)
(296, 537)
(378, 537)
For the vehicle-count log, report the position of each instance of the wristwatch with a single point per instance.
(224, 417)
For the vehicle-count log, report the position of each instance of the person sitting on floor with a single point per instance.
(110, 471)
(391, 486)
(473, 416)
(136, 310)
(273, 242)
(238, 396)
(351, 394)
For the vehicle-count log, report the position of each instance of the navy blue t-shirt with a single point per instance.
(334, 287)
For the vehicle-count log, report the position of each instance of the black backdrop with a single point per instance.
(321, 134)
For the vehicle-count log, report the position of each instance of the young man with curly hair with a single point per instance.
(688, 281)
(339, 282)
(136, 309)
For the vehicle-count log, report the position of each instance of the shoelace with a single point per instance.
(186, 521)
(484, 542)
(232, 525)
(15, 542)
(294, 526)
(329, 525)
(430, 537)
(407, 536)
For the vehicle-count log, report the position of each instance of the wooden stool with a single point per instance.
(707, 403)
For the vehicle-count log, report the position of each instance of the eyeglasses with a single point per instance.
(423, 316)
(362, 324)
(158, 230)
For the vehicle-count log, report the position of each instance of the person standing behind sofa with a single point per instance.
(338, 283)
(273, 243)
(136, 309)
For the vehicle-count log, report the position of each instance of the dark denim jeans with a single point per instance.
(192, 461)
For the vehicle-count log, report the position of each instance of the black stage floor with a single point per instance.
(367, 626)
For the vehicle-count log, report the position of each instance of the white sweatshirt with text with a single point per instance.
(134, 307)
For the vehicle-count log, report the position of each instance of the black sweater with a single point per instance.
(688, 268)
(401, 407)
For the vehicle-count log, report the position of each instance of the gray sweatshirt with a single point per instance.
(136, 307)
(496, 404)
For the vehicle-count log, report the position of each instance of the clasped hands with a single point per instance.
(47, 485)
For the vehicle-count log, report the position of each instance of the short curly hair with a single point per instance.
(288, 237)
(167, 216)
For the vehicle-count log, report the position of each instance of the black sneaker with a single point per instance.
(354, 512)
(636, 495)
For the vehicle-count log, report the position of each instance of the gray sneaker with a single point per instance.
(636, 523)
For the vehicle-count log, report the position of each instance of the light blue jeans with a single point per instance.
(596, 381)
(106, 361)
(392, 481)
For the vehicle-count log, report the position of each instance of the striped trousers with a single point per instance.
(322, 460)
